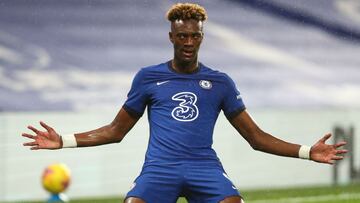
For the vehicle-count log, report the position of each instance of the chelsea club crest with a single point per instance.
(205, 84)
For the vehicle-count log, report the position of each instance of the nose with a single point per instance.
(189, 41)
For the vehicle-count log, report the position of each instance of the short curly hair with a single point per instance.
(186, 11)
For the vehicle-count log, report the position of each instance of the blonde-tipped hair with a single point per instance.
(186, 11)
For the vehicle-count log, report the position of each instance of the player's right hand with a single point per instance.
(48, 139)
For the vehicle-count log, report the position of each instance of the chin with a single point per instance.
(188, 60)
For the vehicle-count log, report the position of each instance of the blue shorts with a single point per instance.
(198, 183)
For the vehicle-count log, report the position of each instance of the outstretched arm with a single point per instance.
(262, 141)
(114, 132)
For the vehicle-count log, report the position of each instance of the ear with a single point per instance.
(171, 37)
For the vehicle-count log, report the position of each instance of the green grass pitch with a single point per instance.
(320, 194)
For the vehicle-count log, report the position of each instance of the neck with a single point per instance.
(184, 67)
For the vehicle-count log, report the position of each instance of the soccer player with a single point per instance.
(183, 99)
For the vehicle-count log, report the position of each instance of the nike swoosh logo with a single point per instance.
(163, 82)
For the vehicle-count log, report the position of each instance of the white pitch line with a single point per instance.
(320, 198)
(252, 49)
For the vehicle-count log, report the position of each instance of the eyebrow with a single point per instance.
(184, 32)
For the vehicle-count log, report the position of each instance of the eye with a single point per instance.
(181, 36)
(197, 36)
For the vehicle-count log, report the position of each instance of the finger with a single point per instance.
(48, 128)
(343, 151)
(326, 137)
(337, 158)
(30, 144)
(28, 135)
(331, 162)
(340, 144)
(35, 148)
(34, 129)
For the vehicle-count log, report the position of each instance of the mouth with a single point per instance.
(188, 53)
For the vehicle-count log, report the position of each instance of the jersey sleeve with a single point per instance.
(232, 103)
(136, 101)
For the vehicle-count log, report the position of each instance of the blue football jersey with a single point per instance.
(182, 110)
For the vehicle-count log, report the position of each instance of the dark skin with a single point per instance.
(186, 37)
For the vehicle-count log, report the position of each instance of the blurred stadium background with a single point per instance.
(70, 63)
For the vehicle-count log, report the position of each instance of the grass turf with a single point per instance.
(328, 194)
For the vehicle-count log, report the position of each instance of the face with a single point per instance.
(186, 37)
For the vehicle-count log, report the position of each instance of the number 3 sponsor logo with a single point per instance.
(187, 109)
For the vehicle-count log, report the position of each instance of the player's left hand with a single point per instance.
(324, 153)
